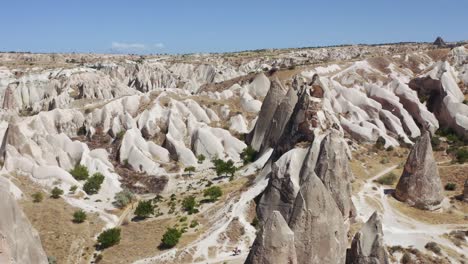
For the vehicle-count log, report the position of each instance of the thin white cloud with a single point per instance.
(128, 46)
(135, 47)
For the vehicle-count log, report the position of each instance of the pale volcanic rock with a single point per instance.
(260, 85)
(420, 184)
(274, 243)
(334, 171)
(368, 246)
(317, 223)
(273, 98)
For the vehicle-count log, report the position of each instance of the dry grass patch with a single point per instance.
(431, 217)
(52, 218)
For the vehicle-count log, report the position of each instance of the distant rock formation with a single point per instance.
(334, 171)
(274, 243)
(420, 184)
(367, 246)
(439, 42)
(18, 240)
(445, 99)
(317, 224)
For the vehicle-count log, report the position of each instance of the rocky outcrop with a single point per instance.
(367, 246)
(273, 98)
(280, 119)
(283, 186)
(420, 184)
(18, 240)
(333, 169)
(317, 224)
(439, 42)
(9, 98)
(274, 243)
(444, 97)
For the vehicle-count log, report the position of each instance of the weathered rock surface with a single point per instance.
(283, 185)
(317, 224)
(270, 103)
(274, 243)
(367, 246)
(420, 184)
(334, 171)
(20, 241)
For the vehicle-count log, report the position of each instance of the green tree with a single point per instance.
(190, 170)
(73, 189)
(214, 192)
(123, 198)
(201, 158)
(56, 192)
(79, 216)
(37, 197)
(248, 155)
(93, 184)
(223, 168)
(170, 238)
(144, 209)
(190, 205)
(109, 238)
(80, 172)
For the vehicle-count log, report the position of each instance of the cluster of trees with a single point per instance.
(92, 184)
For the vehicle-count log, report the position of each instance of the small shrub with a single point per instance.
(183, 219)
(79, 216)
(37, 197)
(450, 186)
(255, 223)
(144, 209)
(80, 172)
(93, 184)
(190, 170)
(461, 155)
(170, 238)
(387, 179)
(56, 192)
(213, 192)
(193, 224)
(384, 160)
(73, 189)
(434, 247)
(123, 198)
(109, 237)
(391, 148)
(380, 143)
(52, 260)
(120, 135)
(98, 258)
(248, 155)
(201, 158)
(189, 204)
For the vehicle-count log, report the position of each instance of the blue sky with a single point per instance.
(145, 26)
